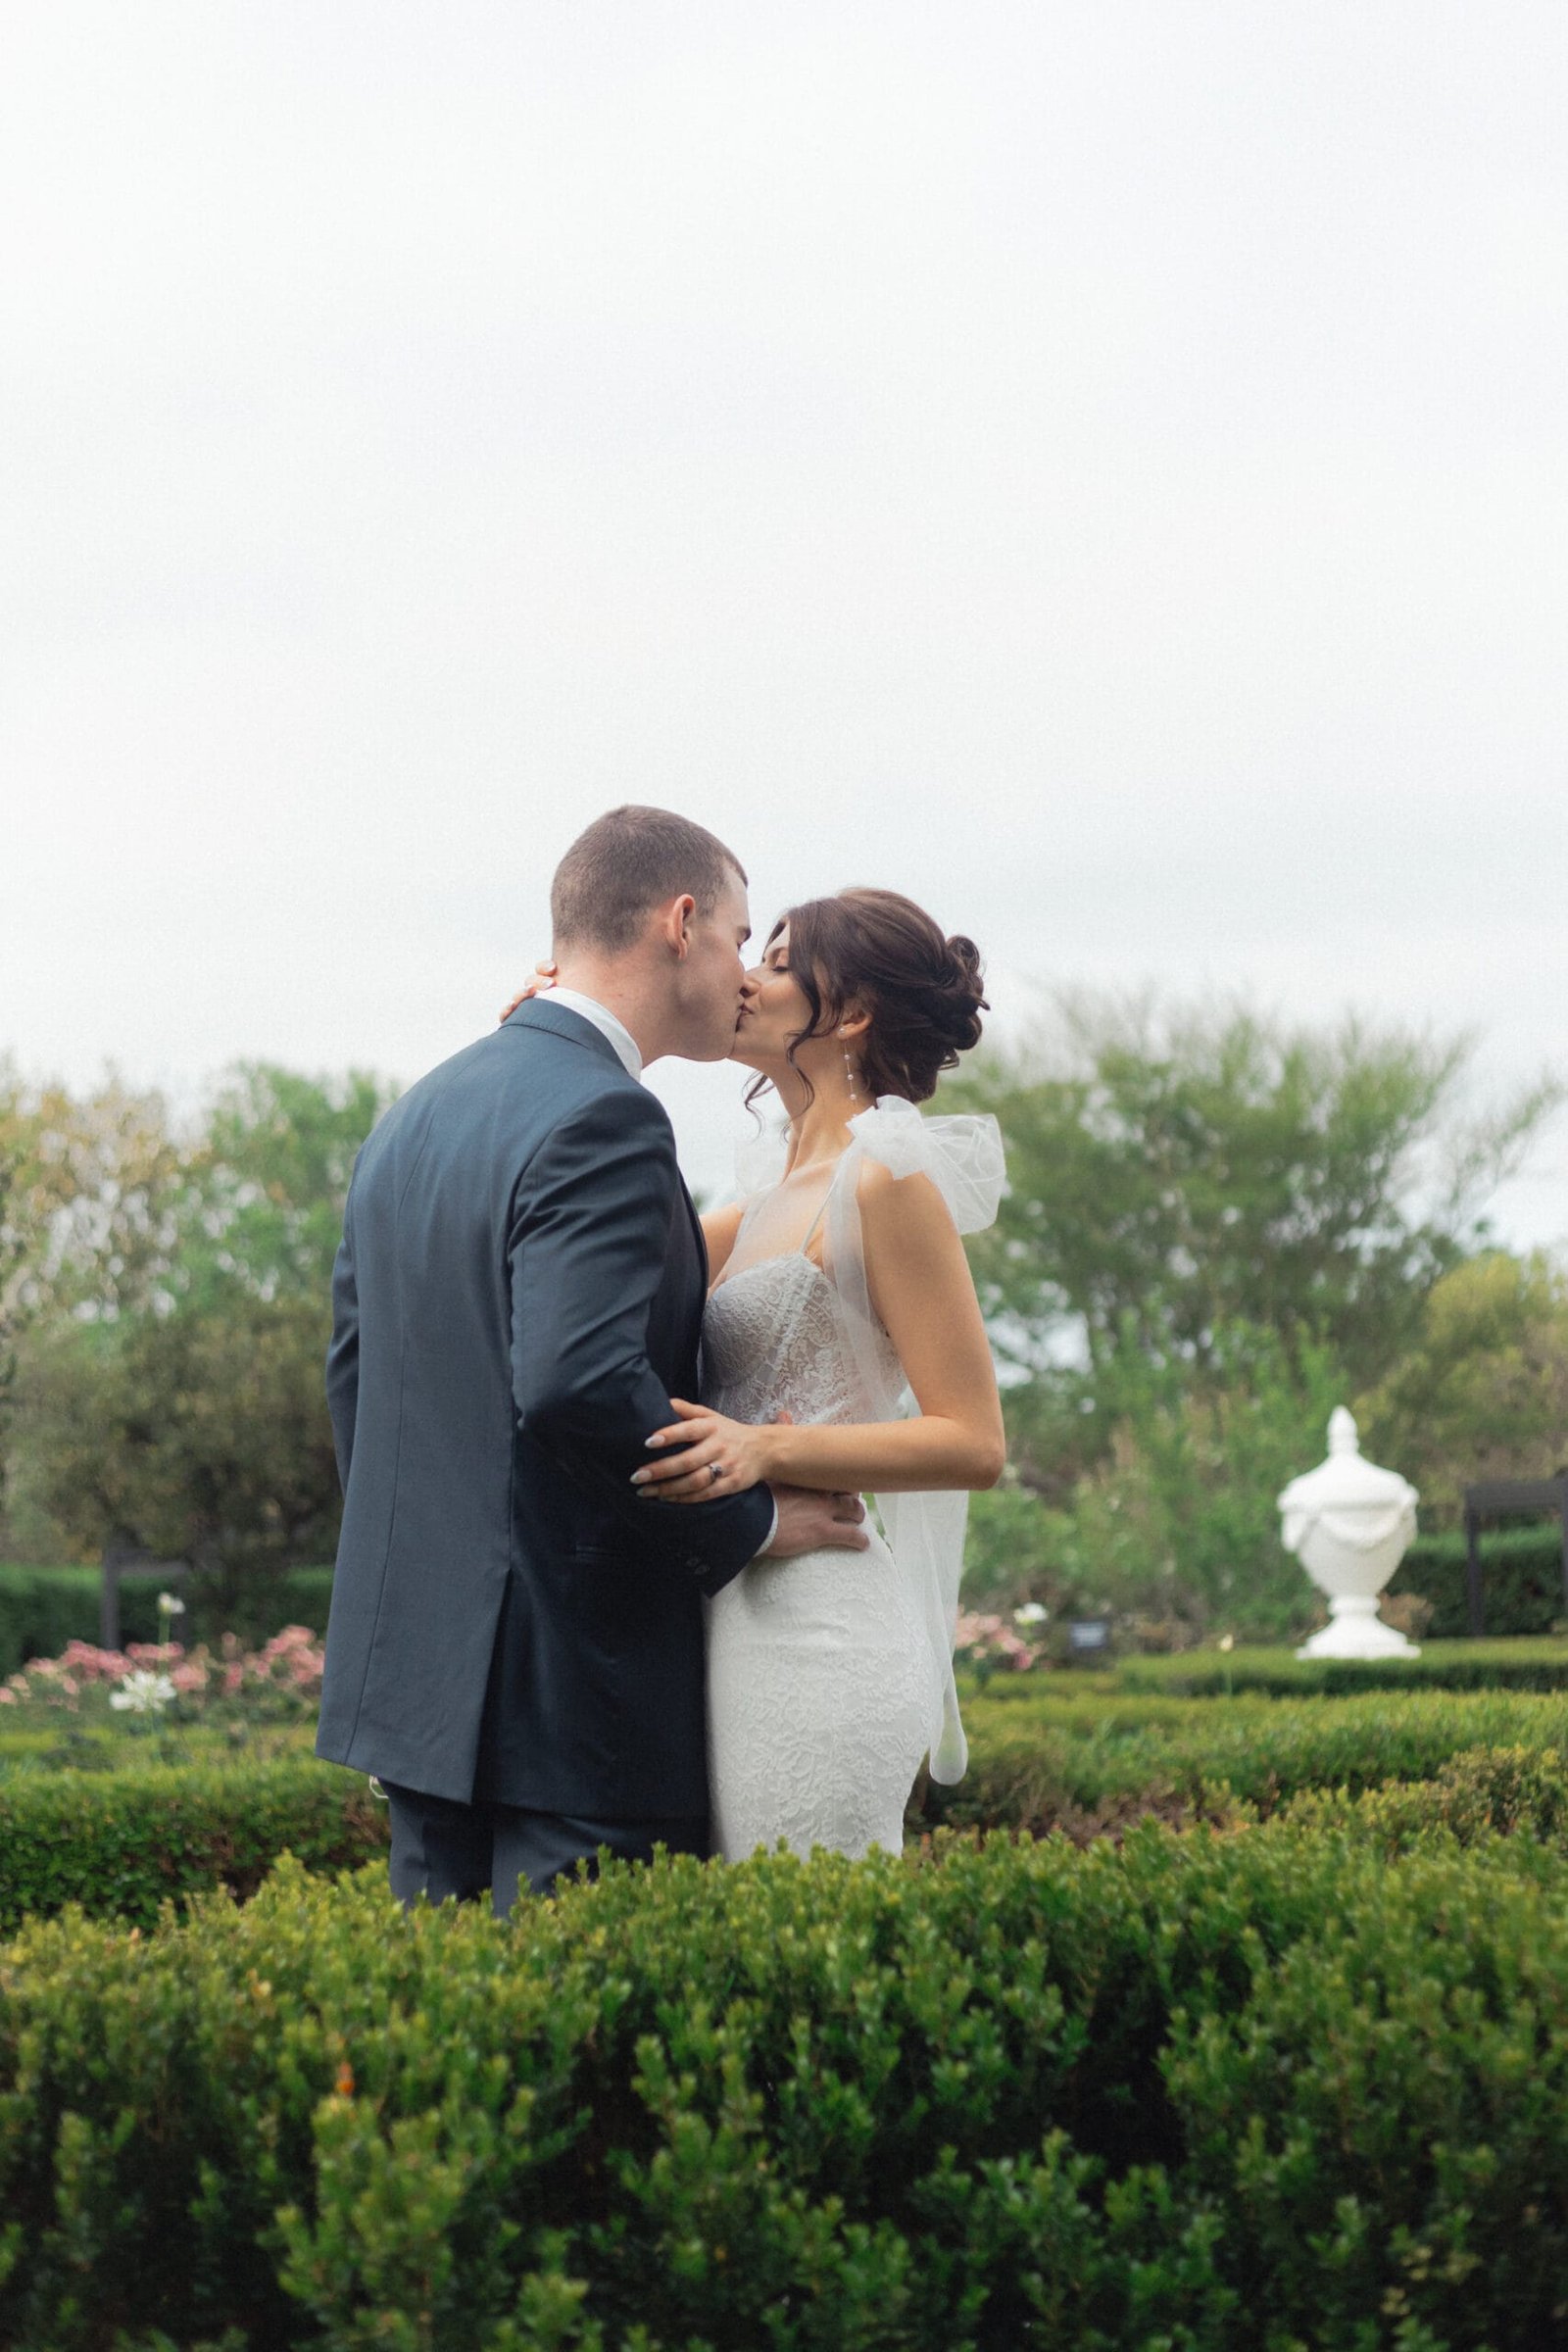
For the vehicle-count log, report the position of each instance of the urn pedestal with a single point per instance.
(1348, 1523)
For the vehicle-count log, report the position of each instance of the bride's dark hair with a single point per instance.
(879, 949)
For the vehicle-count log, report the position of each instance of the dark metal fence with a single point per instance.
(1509, 1498)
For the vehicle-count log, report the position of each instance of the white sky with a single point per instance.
(1099, 470)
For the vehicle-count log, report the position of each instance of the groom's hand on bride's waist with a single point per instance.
(809, 1521)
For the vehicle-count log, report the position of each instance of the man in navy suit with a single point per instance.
(515, 1641)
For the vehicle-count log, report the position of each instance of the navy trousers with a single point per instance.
(441, 1848)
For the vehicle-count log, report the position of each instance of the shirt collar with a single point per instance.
(605, 1021)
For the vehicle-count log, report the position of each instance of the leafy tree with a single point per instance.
(266, 1183)
(1176, 1175)
(1483, 1390)
(200, 1435)
(170, 1386)
(1175, 1529)
(88, 1190)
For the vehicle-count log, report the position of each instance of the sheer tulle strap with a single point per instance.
(961, 1155)
(963, 1158)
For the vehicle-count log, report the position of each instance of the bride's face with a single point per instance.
(774, 1012)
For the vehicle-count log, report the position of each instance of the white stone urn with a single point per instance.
(1348, 1522)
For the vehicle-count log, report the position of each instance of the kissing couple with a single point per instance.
(604, 1576)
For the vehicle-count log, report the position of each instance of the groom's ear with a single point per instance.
(674, 924)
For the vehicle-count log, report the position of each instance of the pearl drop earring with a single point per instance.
(849, 1072)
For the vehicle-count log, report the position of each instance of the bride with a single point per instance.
(844, 1349)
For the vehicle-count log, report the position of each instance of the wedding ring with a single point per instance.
(715, 1473)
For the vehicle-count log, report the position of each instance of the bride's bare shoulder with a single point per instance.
(887, 1199)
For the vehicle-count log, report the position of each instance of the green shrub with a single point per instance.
(1045, 1757)
(1521, 1580)
(1483, 1793)
(1489, 1665)
(1091, 1762)
(41, 1609)
(1217, 2094)
(1383, 2117)
(122, 1842)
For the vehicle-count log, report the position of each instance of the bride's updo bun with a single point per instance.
(923, 991)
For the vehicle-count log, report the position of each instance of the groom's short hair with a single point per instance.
(629, 861)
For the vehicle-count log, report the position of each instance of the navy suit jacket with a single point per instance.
(519, 1293)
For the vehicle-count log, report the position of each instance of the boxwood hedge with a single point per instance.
(1522, 1580)
(120, 1843)
(1249, 2092)
(1489, 1665)
(1040, 1761)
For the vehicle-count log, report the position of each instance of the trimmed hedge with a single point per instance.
(1521, 1580)
(1489, 1665)
(122, 1844)
(1091, 1764)
(1241, 2094)
(41, 1609)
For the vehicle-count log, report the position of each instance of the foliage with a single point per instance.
(1175, 1174)
(1482, 1391)
(202, 1435)
(1022, 2096)
(279, 1682)
(171, 1393)
(984, 1644)
(1219, 1228)
(1441, 1665)
(268, 1181)
(1175, 1532)
(83, 1183)
(121, 1843)
(1044, 1753)
(42, 1609)
(1521, 1580)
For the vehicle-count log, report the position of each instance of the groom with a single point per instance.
(515, 1641)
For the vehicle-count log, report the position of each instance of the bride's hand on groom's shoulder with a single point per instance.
(545, 978)
(708, 1455)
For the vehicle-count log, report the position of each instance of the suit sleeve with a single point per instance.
(586, 1253)
(343, 1352)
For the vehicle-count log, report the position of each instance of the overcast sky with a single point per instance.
(1097, 469)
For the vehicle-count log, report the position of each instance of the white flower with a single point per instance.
(170, 1605)
(143, 1692)
(1227, 1641)
(1033, 1612)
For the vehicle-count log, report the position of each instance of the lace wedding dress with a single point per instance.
(829, 1676)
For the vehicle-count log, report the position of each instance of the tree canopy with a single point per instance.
(1176, 1172)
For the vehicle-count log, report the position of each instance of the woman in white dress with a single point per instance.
(844, 1349)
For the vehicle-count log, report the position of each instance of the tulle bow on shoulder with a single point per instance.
(960, 1154)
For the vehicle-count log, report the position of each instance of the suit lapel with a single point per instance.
(697, 1229)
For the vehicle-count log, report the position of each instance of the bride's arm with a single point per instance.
(921, 1288)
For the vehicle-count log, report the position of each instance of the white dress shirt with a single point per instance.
(605, 1021)
(630, 1054)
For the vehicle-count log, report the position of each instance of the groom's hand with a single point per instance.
(809, 1521)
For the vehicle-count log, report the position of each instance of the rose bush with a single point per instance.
(280, 1683)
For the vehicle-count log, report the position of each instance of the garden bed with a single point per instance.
(1210, 2094)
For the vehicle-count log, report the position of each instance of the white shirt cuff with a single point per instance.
(771, 1533)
